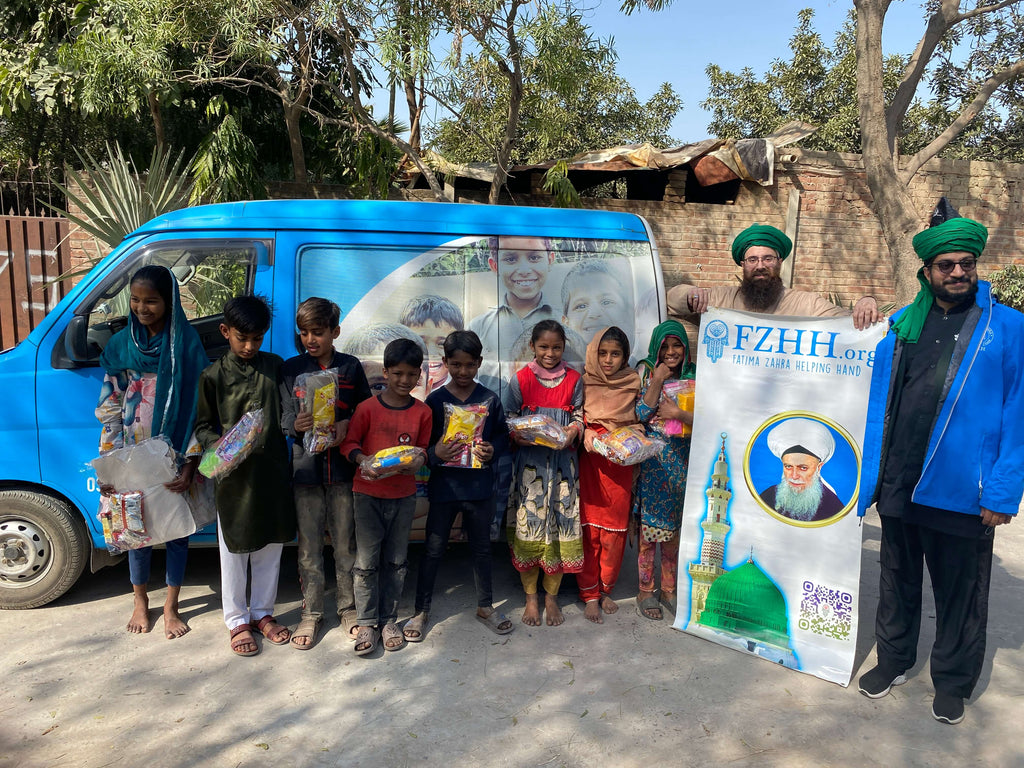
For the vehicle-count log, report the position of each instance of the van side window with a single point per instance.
(208, 274)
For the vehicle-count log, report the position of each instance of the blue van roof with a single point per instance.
(400, 216)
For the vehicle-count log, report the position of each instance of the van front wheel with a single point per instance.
(43, 549)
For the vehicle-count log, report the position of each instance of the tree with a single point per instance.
(572, 99)
(968, 64)
(991, 34)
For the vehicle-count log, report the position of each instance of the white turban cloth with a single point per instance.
(802, 436)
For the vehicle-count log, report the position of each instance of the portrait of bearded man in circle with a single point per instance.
(803, 446)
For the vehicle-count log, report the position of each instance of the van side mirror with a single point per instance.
(76, 340)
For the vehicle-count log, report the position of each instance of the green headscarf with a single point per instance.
(957, 234)
(761, 234)
(662, 332)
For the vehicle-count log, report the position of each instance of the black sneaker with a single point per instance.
(877, 682)
(948, 708)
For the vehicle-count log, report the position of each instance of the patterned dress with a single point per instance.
(662, 478)
(126, 411)
(544, 512)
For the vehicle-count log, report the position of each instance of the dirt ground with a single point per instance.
(79, 691)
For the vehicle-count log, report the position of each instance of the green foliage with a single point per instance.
(573, 100)
(556, 182)
(818, 84)
(115, 200)
(226, 167)
(1008, 285)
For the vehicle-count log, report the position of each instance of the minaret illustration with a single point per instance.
(716, 526)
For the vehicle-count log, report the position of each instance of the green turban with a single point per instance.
(957, 234)
(761, 234)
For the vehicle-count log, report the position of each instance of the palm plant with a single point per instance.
(114, 198)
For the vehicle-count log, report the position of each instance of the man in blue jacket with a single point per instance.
(944, 460)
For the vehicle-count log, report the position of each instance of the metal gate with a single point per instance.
(33, 253)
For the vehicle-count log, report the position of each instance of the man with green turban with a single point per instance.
(760, 250)
(944, 461)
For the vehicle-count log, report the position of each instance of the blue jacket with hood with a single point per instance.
(975, 455)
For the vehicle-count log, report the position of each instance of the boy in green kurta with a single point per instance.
(255, 508)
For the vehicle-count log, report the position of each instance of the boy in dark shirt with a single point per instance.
(384, 506)
(255, 510)
(322, 481)
(455, 490)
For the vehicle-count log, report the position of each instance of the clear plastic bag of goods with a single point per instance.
(628, 446)
(234, 446)
(142, 511)
(390, 461)
(539, 429)
(464, 427)
(682, 391)
(317, 393)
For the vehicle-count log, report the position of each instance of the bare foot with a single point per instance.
(593, 612)
(531, 615)
(554, 613)
(139, 623)
(608, 605)
(174, 625)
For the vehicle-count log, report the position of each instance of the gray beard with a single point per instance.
(799, 505)
(760, 295)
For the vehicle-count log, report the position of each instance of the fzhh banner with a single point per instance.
(769, 559)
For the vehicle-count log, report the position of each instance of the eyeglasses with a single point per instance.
(968, 265)
(753, 261)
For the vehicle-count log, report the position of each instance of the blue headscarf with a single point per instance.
(177, 357)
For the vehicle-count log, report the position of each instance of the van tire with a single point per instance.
(44, 546)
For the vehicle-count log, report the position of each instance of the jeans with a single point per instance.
(476, 521)
(382, 543)
(318, 507)
(140, 560)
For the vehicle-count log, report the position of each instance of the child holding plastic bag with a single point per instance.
(662, 478)
(255, 508)
(610, 389)
(322, 479)
(543, 505)
(149, 388)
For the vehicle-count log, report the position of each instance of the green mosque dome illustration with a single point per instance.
(746, 602)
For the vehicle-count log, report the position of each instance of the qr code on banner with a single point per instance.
(826, 611)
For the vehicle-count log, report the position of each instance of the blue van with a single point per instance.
(394, 268)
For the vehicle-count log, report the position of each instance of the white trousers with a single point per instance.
(234, 572)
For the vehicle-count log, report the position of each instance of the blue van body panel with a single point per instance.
(49, 432)
(389, 216)
(19, 459)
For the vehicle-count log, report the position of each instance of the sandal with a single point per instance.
(649, 604)
(416, 627)
(498, 623)
(366, 637)
(238, 642)
(309, 626)
(271, 629)
(668, 599)
(350, 623)
(392, 637)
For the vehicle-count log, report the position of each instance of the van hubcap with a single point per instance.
(24, 551)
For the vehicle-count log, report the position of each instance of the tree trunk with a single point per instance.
(292, 113)
(897, 214)
(158, 120)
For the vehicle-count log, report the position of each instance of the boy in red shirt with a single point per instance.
(384, 507)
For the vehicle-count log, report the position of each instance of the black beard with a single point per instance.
(760, 295)
(943, 294)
